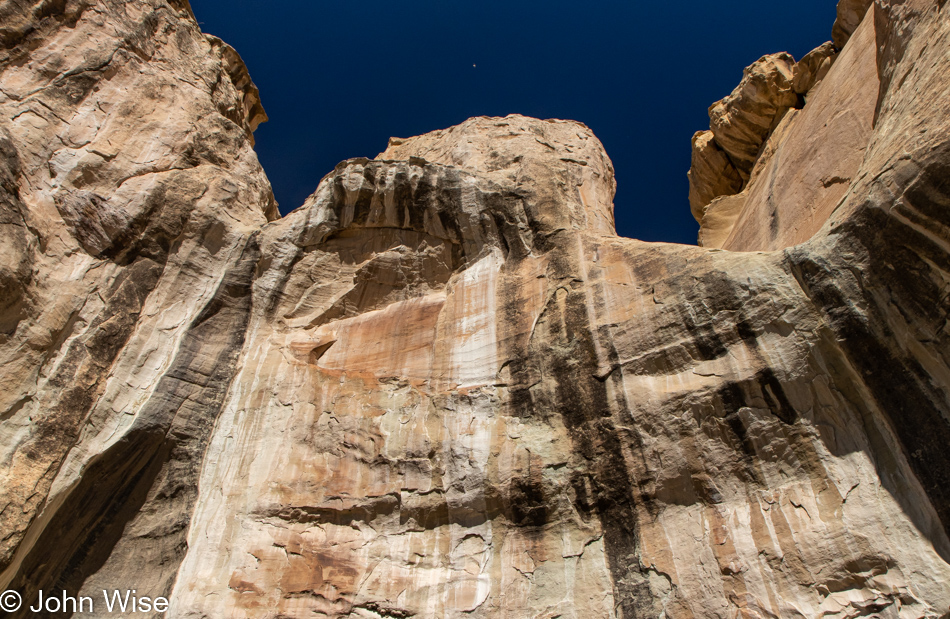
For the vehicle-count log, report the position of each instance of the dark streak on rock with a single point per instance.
(860, 307)
(572, 390)
(149, 478)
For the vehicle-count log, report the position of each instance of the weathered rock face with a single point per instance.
(741, 122)
(444, 387)
(711, 175)
(803, 169)
(129, 194)
(727, 157)
(850, 15)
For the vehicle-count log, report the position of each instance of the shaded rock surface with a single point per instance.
(711, 175)
(850, 14)
(444, 387)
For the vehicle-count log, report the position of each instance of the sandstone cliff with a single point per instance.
(444, 387)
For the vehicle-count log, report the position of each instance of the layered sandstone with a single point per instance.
(807, 157)
(444, 387)
(130, 195)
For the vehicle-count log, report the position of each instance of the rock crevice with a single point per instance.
(444, 386)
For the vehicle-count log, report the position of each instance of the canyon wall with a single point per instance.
(444, 386)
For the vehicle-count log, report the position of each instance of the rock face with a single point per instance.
(741, 122)
(444, 387)
(130, 200)
(804, 164)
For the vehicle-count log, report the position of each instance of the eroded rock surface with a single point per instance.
(742, 121)
(444, 387)
(811, 157)
(726, 157)
(711, 175)
(130, 195)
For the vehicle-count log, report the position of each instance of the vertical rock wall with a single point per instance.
(444, 387)
(130, 196)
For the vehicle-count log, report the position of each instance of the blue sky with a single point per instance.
(338, 78)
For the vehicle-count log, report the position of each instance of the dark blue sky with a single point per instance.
(338, 78)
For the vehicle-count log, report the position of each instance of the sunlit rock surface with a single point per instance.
(444, 387)
(130, 199)
(805, 167)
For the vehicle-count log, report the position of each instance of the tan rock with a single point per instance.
(711, 174)
(571, 178)
(850, 15)
(249, 112)
(719, 218)
(813, 159)
(743, 121)
(813, 67)
(129, 193)
(444, 387)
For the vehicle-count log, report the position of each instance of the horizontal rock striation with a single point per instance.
(444, 386)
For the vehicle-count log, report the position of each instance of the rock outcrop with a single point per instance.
(741, 122)
(712, 174)
(850, 15)
(807, 158)
(724, 157)
(444, 387)
(131, 198)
